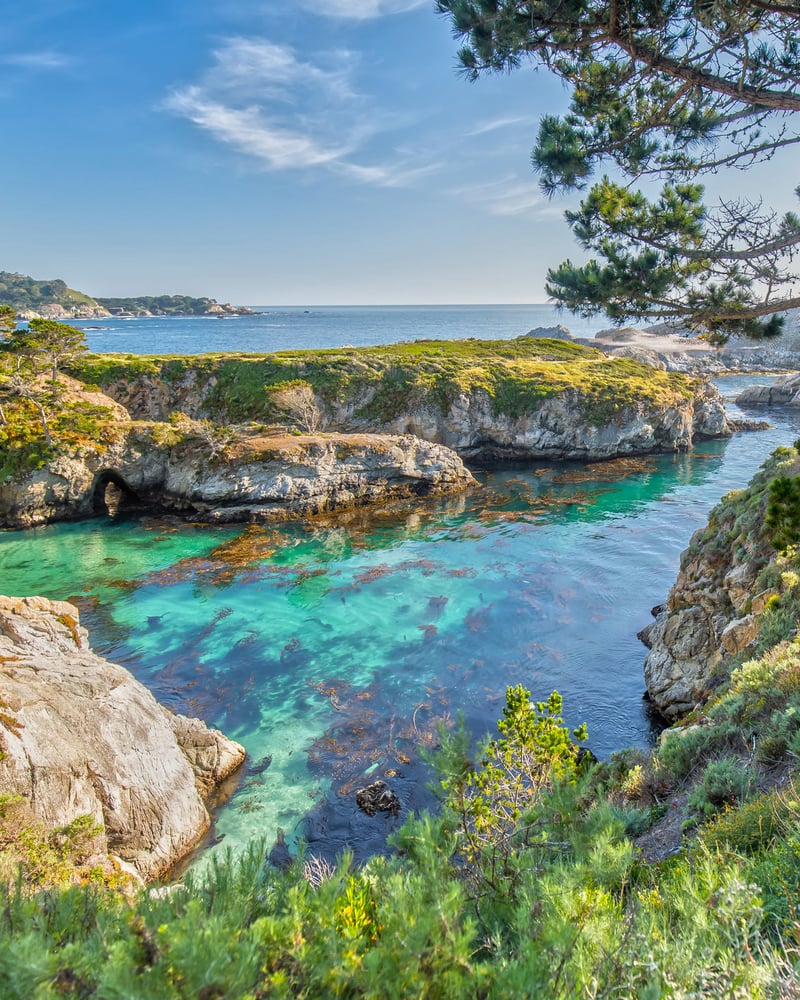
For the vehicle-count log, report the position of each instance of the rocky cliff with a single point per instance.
(562, 426)
(732, 589)
(531, 398)
(783, 391)
(211, 474)
(676, 350)
(80, 736)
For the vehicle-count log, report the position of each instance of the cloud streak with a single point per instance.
(260, 100)
(44, 60)
(508, 196)
(498, 123)
(361, 10)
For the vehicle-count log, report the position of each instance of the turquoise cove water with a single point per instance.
(336, 647)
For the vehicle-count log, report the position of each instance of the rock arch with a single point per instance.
(111, 494)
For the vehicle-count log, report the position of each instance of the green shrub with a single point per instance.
(783, 512)
(751, 826)
(724, 782)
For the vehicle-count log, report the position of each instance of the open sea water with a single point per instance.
(334, 648)
(295, 327)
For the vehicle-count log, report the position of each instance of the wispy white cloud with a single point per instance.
(498, 123)
(261, 100)
(361, 10)
(43, 60)
(257, 65)
(247, 131)
(392, 176)
(509, 196)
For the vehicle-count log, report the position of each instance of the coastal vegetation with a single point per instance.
(165, 305)
(384, 382)
(22, 293)
(35, 403)
(53, 299)
(543, 873)
(537, 877)
(672, 872)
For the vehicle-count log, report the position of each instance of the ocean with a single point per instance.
(311, 327)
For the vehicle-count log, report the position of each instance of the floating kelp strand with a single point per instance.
(611, 471)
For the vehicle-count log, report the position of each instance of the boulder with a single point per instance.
(783, 391)
(739, 634)
(683, 655)
(81, 736)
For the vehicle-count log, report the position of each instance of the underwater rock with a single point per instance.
(260, 766)
(378, 797)
(279, 855)
(81, 736)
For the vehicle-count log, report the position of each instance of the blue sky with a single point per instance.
(313, 151)
(263, 152)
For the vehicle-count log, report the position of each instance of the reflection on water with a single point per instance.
(337, 647)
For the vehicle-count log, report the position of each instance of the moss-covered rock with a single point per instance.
(735, 595)
(522, 398)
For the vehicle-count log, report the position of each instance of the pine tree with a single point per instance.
(672, 90)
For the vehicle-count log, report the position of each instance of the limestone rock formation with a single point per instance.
(784, 390)
(248, 478)
(81, 736)
(562, 427)
(713, 610)
(570, 423)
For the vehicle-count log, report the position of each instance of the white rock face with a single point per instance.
(561, 427)
(267, 478)
(784, 390)
(82, 736)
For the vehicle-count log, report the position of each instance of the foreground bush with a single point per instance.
(525, 885)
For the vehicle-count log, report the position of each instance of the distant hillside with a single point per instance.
(32, 297)
(45, 297)
(168, 305)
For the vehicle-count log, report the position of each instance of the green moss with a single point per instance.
(386, 381)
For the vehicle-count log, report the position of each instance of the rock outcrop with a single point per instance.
(80, 736)
(783, 391)
(713, 610)
(246, 478)
(549, 420)
(673, 349)
(562, 426)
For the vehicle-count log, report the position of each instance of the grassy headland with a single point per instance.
(383, 382)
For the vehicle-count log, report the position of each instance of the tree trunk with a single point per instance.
(43, 419)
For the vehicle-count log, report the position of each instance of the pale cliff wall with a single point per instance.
(731, 581)
(564, 424)
(249, 478)
(80, 736)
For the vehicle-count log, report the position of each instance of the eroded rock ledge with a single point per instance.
(714, 611)
(531, 398)
(80, 735)
(251, 478)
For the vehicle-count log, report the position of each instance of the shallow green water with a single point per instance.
(336, 647)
